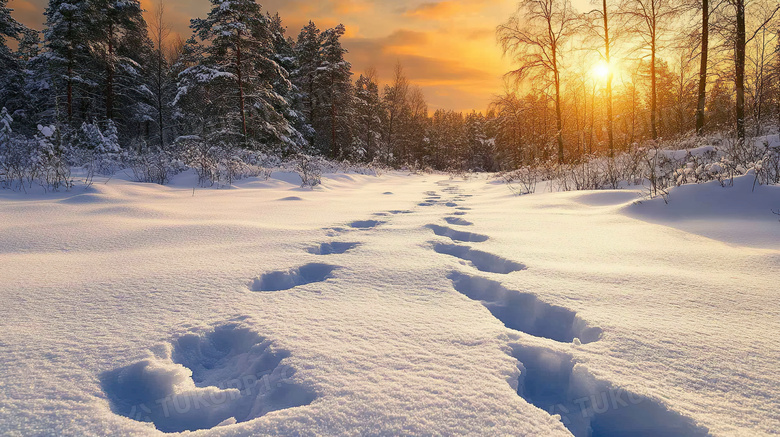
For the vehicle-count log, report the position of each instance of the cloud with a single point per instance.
(436, 10)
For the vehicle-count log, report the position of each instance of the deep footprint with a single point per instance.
(285, 280)
(236, 376)
(452, 234)
(525, 312)
(482, 261)
(458, 221)
(589, 407)
(335, 248)
(365, 224)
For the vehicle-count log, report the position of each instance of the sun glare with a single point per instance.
(601, 71)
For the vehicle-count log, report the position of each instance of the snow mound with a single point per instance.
(740, 214)
(228, 375)
(608, 198)
(286, 280)
(468, 237)
(589, 407)
(334, 248)
(482, 261)
(525, 312)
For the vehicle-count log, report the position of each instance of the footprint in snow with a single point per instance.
(334, 248)
(482, 261)
(455, 235)
(590, 407)
(525, 312)
(221, 377)
(288, 279)
(365, 224)
(458, 221)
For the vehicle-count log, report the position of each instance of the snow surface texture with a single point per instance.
(399, 305)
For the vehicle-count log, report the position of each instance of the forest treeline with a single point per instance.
(101, 84)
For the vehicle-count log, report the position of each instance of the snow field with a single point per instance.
(370, 307)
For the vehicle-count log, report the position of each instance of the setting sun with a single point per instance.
(601, 71)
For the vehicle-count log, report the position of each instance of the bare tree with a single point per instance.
(738, 36)
(535, 35)
(396, 96)
(602, 30)
(159, 31)
(652, 19)
(704, 58)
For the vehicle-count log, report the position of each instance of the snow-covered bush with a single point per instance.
(523, 180)
(43, 160)
(154, 166)
(98, 151)
(222, 164)
(309, 168)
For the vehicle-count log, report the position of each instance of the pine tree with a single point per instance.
(121, 43)
(334, 124)
(68, 55)
(5, 127)
(11, 78)
(368, 117)
(284, 55)
(241, 77)
(307, 55)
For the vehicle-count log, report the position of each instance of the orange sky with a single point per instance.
(447, 47)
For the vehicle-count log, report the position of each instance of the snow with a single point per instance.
(392, 305)
(740, 213)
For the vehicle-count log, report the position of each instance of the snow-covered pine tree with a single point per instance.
(241, 78)
(479, 146)
(334, 120)
(29, 45)
(11, 78)
(368, 117)
(68, 59)
(5, 127)
(190, 114)
(134, 110)
(284, 55)
(120, 41)
(307, 55)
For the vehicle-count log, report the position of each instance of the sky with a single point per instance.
(446, 47)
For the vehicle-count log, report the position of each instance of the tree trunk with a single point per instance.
(70, 76)
(653, 93)
(740, 68)
(558, 116)
(160, 90)
(110, 75)
(240, 84)
(705, 41)
(610, 75)
(333, 147)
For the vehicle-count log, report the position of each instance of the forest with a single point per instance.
(103, 89)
